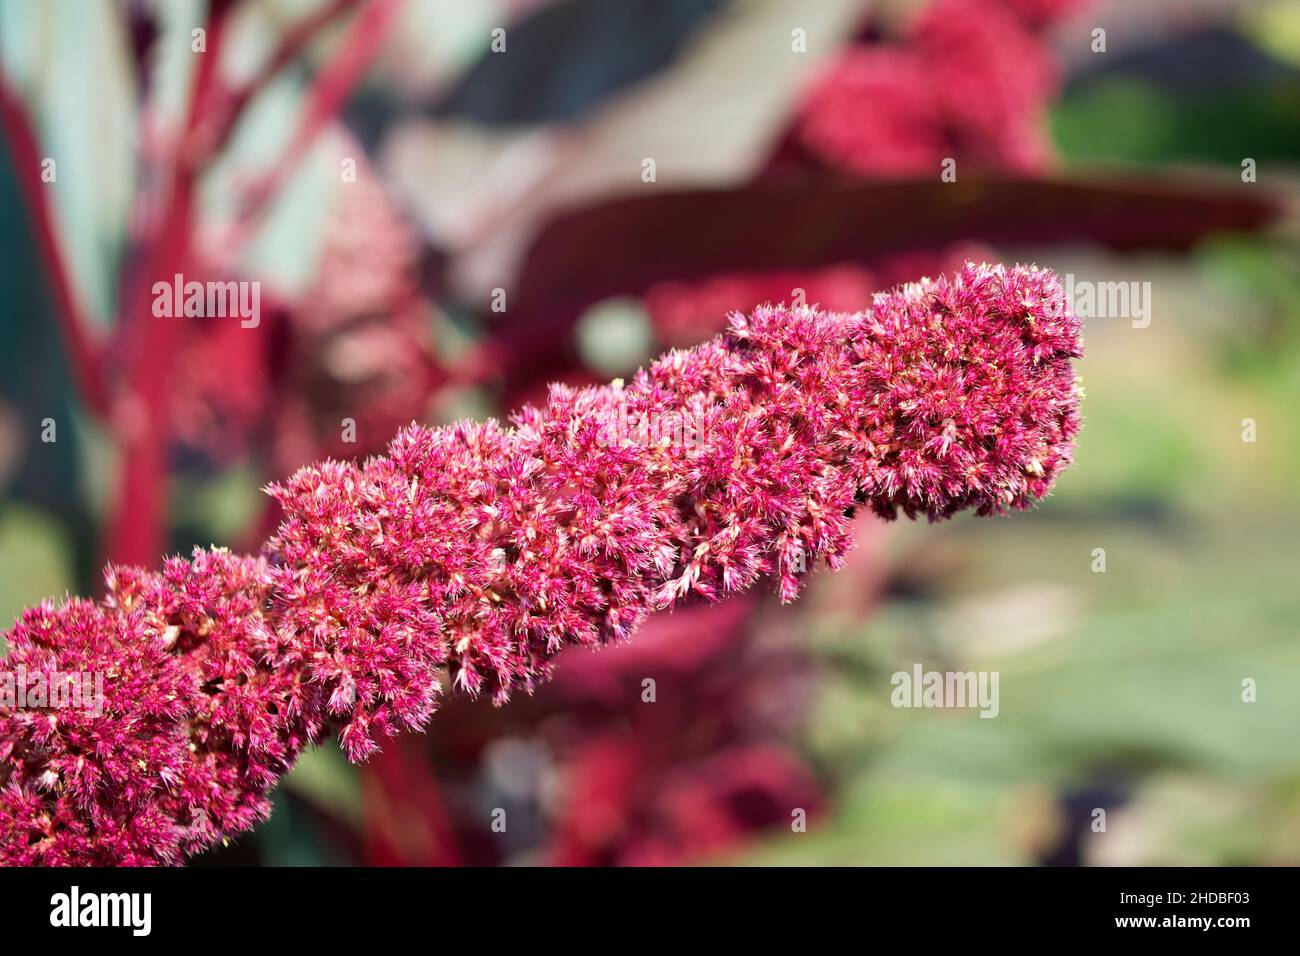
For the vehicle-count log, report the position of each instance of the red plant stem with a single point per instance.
(406, 817)
(222, 118)
(137, 528)
(81, 339)
(329, 92)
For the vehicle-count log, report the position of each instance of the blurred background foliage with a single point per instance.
(1120, 690)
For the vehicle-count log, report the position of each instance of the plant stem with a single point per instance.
(79, 334)
(137, 527)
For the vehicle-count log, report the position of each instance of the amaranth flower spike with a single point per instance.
(479, 551)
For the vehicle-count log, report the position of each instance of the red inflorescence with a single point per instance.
(480, 551)
(969, 80)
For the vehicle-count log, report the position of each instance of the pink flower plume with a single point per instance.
(476, 552)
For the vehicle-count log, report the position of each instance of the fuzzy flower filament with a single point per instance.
(479, 551)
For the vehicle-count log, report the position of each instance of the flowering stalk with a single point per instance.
(479, 551)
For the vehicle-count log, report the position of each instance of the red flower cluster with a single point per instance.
(970, 80)
(483, 550)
